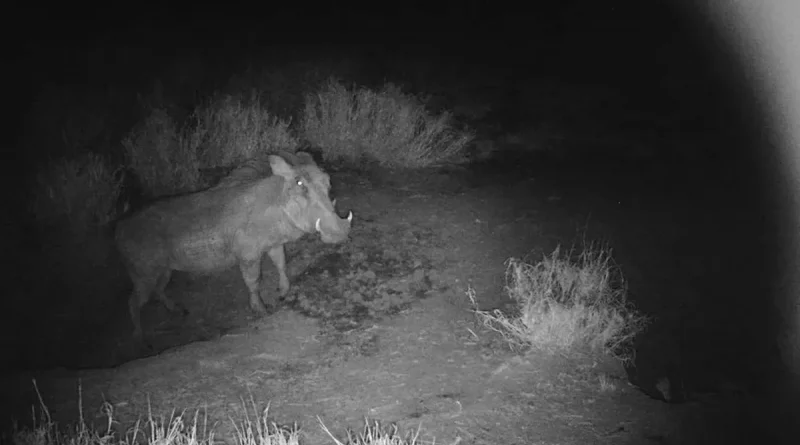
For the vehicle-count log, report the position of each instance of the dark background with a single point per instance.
(662, 59)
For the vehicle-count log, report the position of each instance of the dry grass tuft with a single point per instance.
(567, 306)
(176, 430)
(260, 431)
(375, 434)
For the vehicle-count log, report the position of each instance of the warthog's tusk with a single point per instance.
(350, 216)
(317, 225)
(334, 203)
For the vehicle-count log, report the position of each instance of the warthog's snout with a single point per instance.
(339, 233)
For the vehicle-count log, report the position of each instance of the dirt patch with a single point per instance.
(423, 368)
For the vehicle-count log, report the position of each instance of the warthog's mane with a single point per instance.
(259, 168)
(254, 182)
(250, 179)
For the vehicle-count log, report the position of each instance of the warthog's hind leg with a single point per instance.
(134, 308)
(161, 293)
(279, 259)
(161, 285)
(251, 272)
(142, 288)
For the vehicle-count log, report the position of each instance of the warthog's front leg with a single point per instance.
(251, 272)
(279, 259)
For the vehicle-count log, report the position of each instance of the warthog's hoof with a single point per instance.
(283, 291)
(143, 349)
(181, 310)
(269, 299)
(139, 346)
(258, 307)
(176, 308)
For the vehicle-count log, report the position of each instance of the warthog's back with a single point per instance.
(197, 232)
(241, 175)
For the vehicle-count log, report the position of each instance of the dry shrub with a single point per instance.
(74, 203)
(80, 194)
(389, 127)
(567, 305)
(232, 130)
(163, 157)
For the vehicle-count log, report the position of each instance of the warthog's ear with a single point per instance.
(305, 158)
(281, 167)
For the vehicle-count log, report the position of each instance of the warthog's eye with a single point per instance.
(301, 183)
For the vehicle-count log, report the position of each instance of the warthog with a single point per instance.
(235, 222)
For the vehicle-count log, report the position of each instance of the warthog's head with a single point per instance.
(307, 203)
